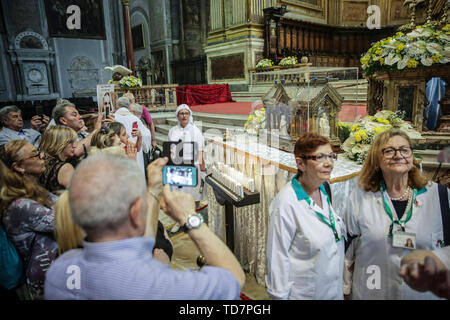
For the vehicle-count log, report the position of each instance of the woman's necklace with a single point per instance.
(404, 194)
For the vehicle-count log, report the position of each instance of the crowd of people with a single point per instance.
(81, 208)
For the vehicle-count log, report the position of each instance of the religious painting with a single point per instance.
(401, 12)
(137, 33)
(228, 67)
(354, 11)
(92, 24)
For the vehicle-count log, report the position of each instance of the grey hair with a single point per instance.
(59, 111)
(100, 201)
(5, 111)
(135, 107)
(123, 102)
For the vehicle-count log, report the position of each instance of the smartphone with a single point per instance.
(135, 125)
(40, 111)
(182, 176)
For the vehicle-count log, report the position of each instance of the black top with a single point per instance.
(400, 207)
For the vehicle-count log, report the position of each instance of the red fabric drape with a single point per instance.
(207, 94)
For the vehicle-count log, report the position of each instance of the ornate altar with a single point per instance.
(398, 69)
(297, 108)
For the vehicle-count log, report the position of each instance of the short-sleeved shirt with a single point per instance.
(126, 270)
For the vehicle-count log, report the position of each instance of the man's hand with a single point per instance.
(178, 205)
(161, 256)
(109, 119)
(426, 276)
(154, 174)
(45, 122)
(36, 123)
(98, 123)
(154, 143)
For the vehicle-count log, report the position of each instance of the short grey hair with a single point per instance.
(136, 108)
(59, 111)
(5, 111)
(100, 201)
(123, 102)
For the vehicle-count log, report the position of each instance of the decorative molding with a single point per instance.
(36, 35)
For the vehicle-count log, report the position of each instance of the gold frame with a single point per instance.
(300, 3)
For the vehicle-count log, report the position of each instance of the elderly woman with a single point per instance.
(57, 144)
(392, 203)
(187, 131)
(305, 246)
(27, 211)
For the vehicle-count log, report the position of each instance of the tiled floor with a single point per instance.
(185, 257)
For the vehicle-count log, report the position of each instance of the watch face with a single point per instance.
(195, 221)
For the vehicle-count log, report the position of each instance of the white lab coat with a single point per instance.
(125, 117)
(376, 261)
(190, 133)
(304, 261)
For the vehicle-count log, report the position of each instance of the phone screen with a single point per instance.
(135, 124)
(180, 176)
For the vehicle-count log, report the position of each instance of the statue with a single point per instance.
(283, 126)
(324, 126)
(118, 73)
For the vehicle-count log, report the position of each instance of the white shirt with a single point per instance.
(125, 117)
(377, 262)
(190, 133)
(304, 261)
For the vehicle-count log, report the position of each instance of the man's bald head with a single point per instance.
(102, 191)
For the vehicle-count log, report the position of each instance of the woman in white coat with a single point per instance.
(392, 203)
(187, 131)
(305, 242)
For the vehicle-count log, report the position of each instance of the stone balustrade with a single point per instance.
(154, 96)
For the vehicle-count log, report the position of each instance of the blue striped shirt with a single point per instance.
(126, 270)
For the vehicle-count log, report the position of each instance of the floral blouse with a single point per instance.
(29, 226)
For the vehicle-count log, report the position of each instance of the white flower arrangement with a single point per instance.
(264, 63)
(424, 46)
(256, 120)
(130, 82)
(288, 61)
(362, 132)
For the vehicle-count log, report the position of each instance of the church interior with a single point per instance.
(256, 74)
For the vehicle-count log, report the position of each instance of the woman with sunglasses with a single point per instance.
(27, 211)
(392, 203)
(57, 144)
(305, 245)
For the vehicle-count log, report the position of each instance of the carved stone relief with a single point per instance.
(354, 11)
(83, 77)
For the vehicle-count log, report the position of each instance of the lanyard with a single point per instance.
(389, 212)
(332, 224)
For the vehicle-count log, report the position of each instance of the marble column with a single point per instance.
(128, 38)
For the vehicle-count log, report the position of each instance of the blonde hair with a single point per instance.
(116, 150)
(371, 175)
(13, 185)
(55, 139)
(68, 234)
(103, 138)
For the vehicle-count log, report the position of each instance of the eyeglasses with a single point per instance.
(183, 113)
(36, 154)
(389, 153)
(321, 157)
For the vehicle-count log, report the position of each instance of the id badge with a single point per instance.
(405, 240)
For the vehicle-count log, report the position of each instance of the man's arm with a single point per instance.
(179, 205)
(79, 149)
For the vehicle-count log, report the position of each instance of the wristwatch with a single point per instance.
(194, 221)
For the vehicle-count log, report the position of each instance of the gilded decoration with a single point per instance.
(354, 11)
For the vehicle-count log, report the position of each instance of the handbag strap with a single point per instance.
(445, 212)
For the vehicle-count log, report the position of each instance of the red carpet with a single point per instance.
(347, 113)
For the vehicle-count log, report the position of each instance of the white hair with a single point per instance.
(100, 200)
(123, 102)
(136, 109)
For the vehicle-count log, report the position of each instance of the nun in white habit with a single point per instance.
(186, 131)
